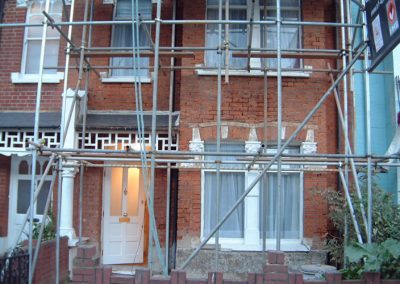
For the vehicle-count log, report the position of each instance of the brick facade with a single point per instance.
(196, 99)
(243, 107)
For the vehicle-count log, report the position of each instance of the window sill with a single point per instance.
(253, 73)
(239, 245)
(130, 79)
(20, 78)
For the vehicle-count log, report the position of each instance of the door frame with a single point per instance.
(106, 184)
(13, 194)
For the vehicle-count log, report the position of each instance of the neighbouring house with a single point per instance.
(114, 208)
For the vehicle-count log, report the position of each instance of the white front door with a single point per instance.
(20, 192)
(123, 232)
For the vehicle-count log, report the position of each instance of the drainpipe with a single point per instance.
(170, 109)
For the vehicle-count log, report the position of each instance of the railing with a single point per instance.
(14, 269)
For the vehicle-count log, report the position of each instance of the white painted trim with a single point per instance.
(20, 78)
(129, 79)
(253, 73)
(105, 2)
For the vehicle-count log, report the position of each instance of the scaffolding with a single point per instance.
(344, 163)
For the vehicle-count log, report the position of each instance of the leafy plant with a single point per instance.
(386, 225)
(49, 231)
(383, 257)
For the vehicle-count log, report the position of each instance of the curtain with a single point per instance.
(232, 186)
(291, 205)
(122, 37)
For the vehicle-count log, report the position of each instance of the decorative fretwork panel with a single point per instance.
(118, 141)
(20, 139)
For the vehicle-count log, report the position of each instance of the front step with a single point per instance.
(122, 279)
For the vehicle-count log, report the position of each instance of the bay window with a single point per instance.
(264, 36)
(243, 229)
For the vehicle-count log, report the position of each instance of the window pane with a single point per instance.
(225, 147)
(284, 3)
(237, 37)
(122, 37)
(33, 56)
(291, 205)
(23, 168)
(232, 186)
(124, 9)
(116, 192)
(51, 58)
(133, 192)
(231, 2)
(23, 196)
(42, 198)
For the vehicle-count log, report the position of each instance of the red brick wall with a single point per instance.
(92, 204)
(121, 96)
(45, 271)
(5, 163)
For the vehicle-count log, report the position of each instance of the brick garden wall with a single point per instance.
(45, 271)
(275, 272)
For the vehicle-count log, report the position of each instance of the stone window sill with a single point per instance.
(127, 79)
(253, 73)
(20, 78)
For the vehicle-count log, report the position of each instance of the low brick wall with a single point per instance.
(87, 270)
(45, 271)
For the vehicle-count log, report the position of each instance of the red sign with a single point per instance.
(391, 12)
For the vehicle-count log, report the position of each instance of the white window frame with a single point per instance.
(23, 77)
(256, 43)
(108, 77)
(251, 240)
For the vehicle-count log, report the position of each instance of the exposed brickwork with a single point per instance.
(196, 99)
(5, 163)
(46, 263)
(93, 203)
(242, 104)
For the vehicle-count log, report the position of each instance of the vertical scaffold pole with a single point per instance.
(170, 109)
(279, 201)
(35, 139)
(154, 126)
(368, 130)
(219, 100)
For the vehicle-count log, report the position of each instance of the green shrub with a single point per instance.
(386, 227)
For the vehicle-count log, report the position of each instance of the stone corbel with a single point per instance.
(70, 169)
(252, 147)
(196, 145)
